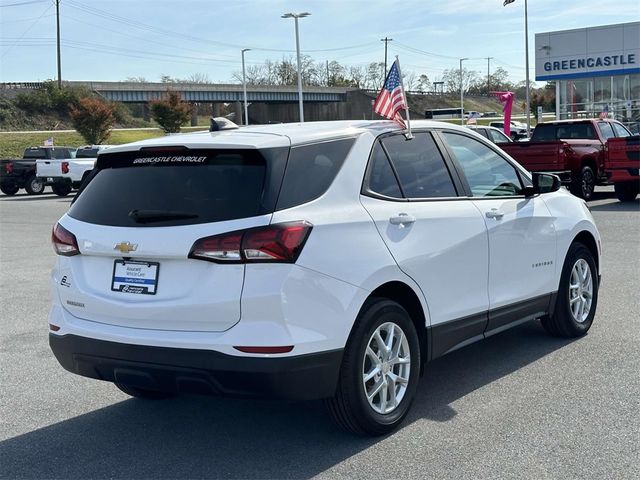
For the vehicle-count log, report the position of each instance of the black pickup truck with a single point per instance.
(21, 173)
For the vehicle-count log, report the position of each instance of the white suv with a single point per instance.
(323, 260)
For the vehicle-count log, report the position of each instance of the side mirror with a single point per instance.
(546, 182)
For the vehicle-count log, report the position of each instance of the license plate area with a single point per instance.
(135, 277)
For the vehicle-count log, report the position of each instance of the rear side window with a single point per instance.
(87, 153)
(145, 189)
(419, 166)
(381, 179)
(310, 171)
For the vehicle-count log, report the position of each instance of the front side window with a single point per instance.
(488, 174)
(420, 166)
(620, 130)
(498, 137)
(606, 130)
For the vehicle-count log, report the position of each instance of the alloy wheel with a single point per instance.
(580, 290)
(386, 368)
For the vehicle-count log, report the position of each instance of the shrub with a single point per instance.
(170, 113)
(93, 119)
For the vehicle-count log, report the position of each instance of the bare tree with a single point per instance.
(198, 78)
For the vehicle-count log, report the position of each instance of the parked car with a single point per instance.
(575, 150)
(324, 260)
(518, 130)
(494, 134)
(21, 173)
(65, 175)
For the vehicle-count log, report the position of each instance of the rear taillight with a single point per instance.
(281, 243)
(65, 167)
(8, 167)
(64, 242)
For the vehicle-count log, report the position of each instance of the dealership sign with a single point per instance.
(590, 62)
(588, 52)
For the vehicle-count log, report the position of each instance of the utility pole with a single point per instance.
(328, 82)
(58, 28)
(461, 93)
(386, 41)
(489, 74)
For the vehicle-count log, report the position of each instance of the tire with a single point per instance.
(143, 393)
(350, 408)
(584, 185)
(33, 185)
(627, 191)
(61, 189)
(9, 188)
(567, 319)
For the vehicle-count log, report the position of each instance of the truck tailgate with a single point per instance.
(623, 158)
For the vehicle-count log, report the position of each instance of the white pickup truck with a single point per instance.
(69, 173)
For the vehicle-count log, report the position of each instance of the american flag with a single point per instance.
(605, 112)
(391, 97)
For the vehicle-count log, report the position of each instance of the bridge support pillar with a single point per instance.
(238, 110)
(146, 114)
(216, 109)
(194, 114)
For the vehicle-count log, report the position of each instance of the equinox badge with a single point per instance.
(126, 247)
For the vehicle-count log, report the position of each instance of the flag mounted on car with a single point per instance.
(473, 118)
(48, 142)
(391, 100)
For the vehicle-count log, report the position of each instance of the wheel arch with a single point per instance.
(587, 239)
(407, 297)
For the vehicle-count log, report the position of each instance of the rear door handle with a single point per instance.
(402, 219)
(495, 213)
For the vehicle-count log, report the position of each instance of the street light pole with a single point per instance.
(461, 93)
(58, 42)
(296, 16)
(526, 50)
(244, 89)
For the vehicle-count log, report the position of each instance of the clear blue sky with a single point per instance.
(116, 39)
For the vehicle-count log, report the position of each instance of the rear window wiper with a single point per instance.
(149, 216)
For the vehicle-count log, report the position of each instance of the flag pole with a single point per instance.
(404, 94)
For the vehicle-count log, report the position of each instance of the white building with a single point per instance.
(593, 69)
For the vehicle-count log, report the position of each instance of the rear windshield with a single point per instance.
(40, 153)
(157, 189)
(550, 132)
(87, 153)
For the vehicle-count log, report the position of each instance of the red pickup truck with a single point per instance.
(575, 150)
(622, 166)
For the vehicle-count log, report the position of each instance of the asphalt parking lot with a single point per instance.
(520, 404)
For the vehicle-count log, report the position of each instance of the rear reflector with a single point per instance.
(54, 328)
(281, 242)
(64, 242)
(283, 349)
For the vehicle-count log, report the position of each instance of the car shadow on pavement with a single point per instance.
(617, 207)
(194, 437)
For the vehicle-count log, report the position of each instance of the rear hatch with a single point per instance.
(136, 221)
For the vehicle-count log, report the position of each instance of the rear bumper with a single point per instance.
(302, 377)
(49, 181)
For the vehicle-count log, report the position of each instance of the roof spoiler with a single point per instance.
(221, 123)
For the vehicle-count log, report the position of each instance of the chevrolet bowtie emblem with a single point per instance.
(126, 247)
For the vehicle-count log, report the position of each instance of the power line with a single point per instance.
(26, 31)
(22, 3)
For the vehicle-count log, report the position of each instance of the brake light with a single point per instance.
(64, 242)
(8, 167)
(65, 167)
(281, 242)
